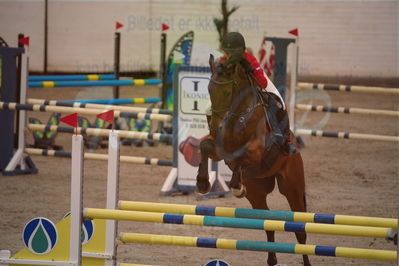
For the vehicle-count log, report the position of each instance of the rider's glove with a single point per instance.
(247, 66)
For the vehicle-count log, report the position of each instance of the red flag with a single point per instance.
(164, 27)
(24, 41)
(107, 116)
(71, 120)
(294, 32)
(118, 25)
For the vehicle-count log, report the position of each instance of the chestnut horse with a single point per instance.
(240, 136)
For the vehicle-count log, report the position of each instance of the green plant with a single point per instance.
(222, 24)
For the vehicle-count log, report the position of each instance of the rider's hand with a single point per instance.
(247, 66)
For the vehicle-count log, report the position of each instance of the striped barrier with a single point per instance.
(258, 214)
(110, 233)
(221, 243)
(96, 83)
(344, 135)
(346, 88)
(71, 77)
(345, 110)
(85, 111)
(101, 157)
(259, 224)
(101, 106)
(119, 101)
(167, 138)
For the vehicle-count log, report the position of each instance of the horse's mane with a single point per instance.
(230, 69)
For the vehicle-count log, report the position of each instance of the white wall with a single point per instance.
(337, 38)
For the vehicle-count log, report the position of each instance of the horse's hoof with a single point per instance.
(239, 193)
(203, 187)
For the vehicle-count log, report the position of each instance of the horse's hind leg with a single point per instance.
(292, 186)
(257, 191)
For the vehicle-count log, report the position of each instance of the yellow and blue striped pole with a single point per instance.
(93, 83)
(258, 246)
(72, 77)
(260, 224)
(258, 214)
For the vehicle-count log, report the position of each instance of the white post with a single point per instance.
(112, 194)
(18, 158)
(293, 84)
(76, 200)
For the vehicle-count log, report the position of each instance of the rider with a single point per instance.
(233, 46)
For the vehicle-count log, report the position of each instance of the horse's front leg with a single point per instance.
(237, 188)
(207, 148)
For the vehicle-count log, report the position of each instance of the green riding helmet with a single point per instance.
(234, 43)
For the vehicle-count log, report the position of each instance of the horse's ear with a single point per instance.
(212, 63)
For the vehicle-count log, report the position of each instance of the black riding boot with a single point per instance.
(288, 147)
(274, 123)
(280, 125)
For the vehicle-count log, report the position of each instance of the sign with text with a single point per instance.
(193, 100)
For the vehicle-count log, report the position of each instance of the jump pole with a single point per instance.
(100, 157)
(244, 223)
(72, 77)
(219, 243)
(345, 110)
(96, 83)
(347, 88)
(70, 110)
(83, 104)
(258, 214)
(119, 101)
(344, 135)
(166, 138)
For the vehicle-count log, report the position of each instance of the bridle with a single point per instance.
(234, 85)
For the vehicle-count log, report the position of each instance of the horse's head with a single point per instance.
(227, 81)
(221, 85)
